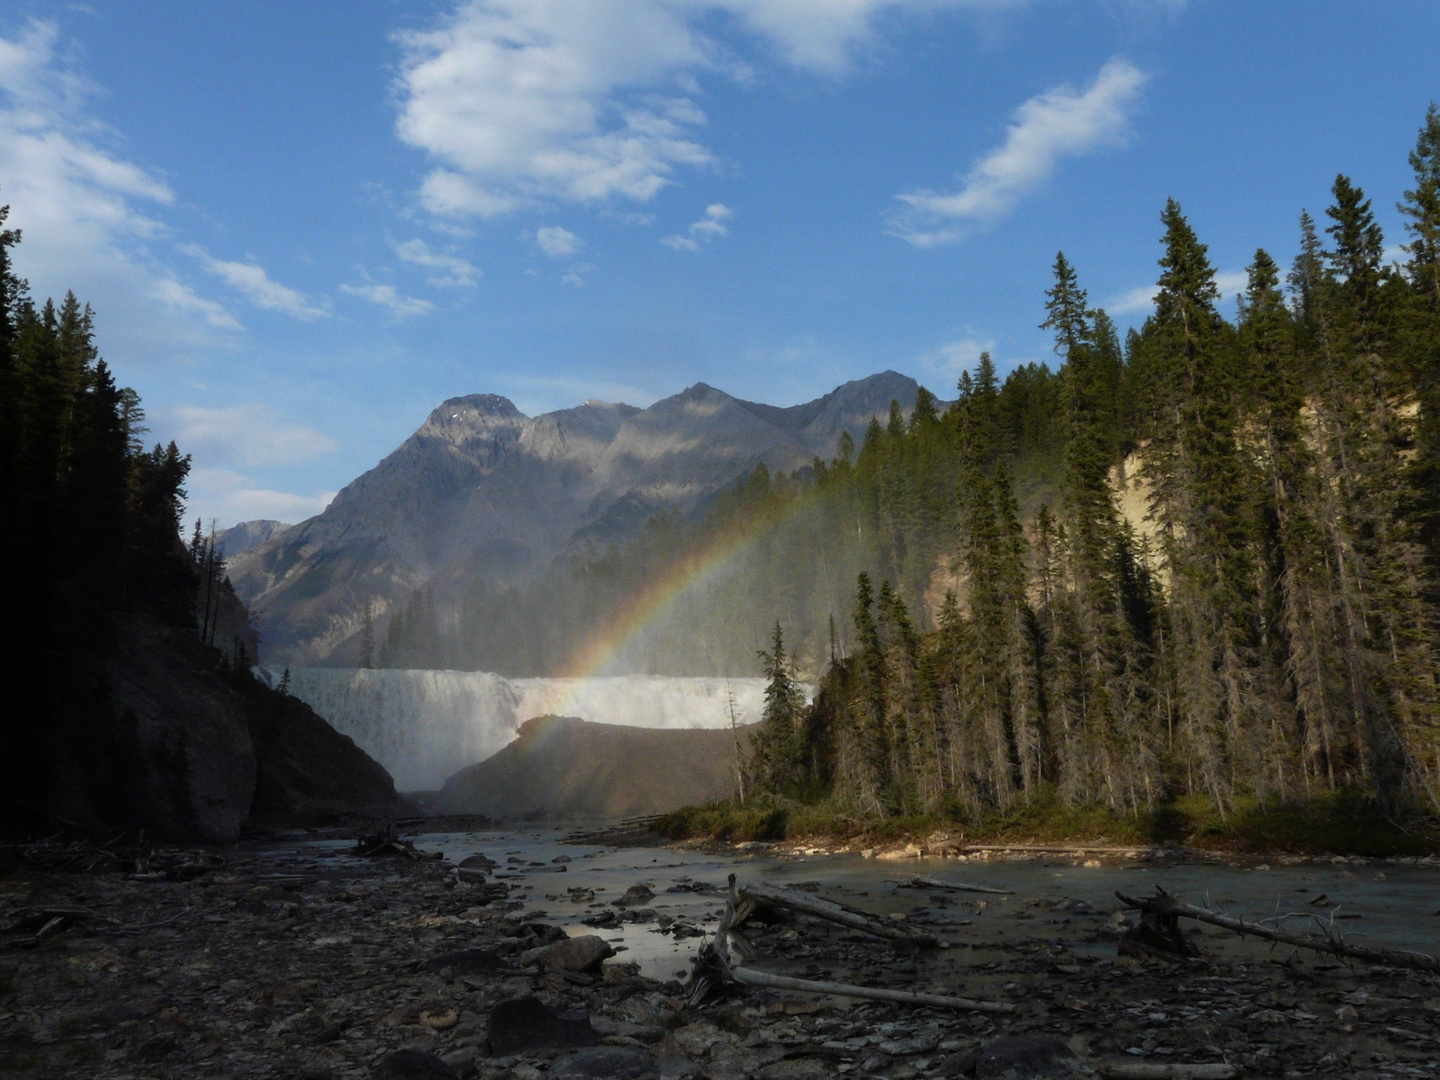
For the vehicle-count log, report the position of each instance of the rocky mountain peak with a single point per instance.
(482, 488)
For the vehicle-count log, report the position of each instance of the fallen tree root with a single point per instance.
(955, 886)
(1165, 905)
(713, 967)
(1154, 1070)
(836, 913)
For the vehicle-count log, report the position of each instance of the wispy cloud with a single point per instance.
(246, 435)
(557, 242)
(576, 275)
(1132, 301)
(251, 280)
(1231, 283)
(178, 297)
(956, 356)
(397, 303)
(1059, 123)
(230, 497)
(450, 271)
(524, 102)
(710, 227)
(88, 213)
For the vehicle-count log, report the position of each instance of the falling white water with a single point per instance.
(425, 725)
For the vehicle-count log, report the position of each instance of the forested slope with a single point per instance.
(1263, 627)
(124, 655)
(1276, 639)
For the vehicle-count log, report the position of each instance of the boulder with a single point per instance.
(1026, 1056)
(527, 1023)
(573, 954)
(608, 1062)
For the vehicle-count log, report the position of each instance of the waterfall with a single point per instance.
(425, 725)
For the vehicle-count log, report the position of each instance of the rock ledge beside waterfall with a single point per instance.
(563, 768)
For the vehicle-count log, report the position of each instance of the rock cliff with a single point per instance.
(564, 768)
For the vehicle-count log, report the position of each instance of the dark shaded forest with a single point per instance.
(1201, 561)
(91, 541)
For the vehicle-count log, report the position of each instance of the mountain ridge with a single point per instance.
(481, 484)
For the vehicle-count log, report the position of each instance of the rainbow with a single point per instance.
(721, 550)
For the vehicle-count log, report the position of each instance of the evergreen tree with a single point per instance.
(779, 750)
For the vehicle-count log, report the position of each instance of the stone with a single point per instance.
(461, 1061)
(478, 862)
(413, 1065)
(527, 1023)
(635, 894)
(574, 954)
(470, 876)
(609, 1062)
(1025, 1056)
(467, 962)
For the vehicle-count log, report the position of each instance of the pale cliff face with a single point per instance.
(482, 486)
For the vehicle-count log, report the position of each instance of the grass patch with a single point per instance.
(1335, 823)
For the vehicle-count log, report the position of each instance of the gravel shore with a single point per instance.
(303, 962)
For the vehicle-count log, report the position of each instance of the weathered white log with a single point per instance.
(1166, 904)
(1174, 1070)
(713, 963)
(836, 913)
(956, 886)
(751, 977)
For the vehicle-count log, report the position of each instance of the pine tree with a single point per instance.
(778, 748)
(1421, 205)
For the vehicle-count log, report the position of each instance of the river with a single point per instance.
(1390, 903)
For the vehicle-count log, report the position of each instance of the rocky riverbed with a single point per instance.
(518, 955)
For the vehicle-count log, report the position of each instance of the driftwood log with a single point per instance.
(713, 967)
(388, 843)
(1166, 906)
(955, 886)
(834, 912)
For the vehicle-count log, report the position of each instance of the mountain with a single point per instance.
(561, 767)
(246, 535)
(482, 486)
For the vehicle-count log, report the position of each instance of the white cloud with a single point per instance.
(88, 214)
(519, 102)
(709, 227)
(399, 305)
(451, 271)
(1058, 123)
(251, 280)
(557, 242)
(576, 275)
(245, 435)
(1133, 301)
(230, 498)
(957, 356)
(1231, 283)
(179, 297)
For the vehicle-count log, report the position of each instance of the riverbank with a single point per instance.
(1336, 824)
(297, 958)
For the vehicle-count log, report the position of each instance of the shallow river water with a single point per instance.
(1387, 903)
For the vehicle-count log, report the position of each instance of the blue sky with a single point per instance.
(304, 225)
